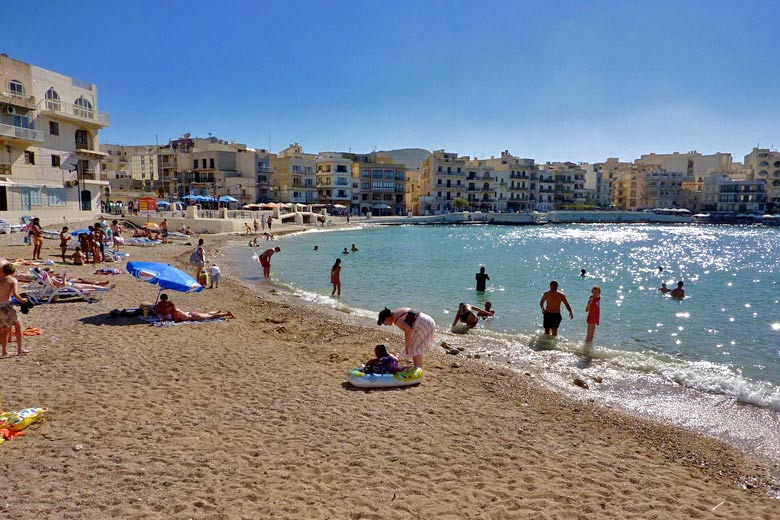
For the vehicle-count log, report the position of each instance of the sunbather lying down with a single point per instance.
(79, 283)
(166, 311)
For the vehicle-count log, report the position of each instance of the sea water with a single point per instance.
(709, 362)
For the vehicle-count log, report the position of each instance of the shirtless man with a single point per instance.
(8, 319)
(552, 310)
(678, 293)
(265, 260)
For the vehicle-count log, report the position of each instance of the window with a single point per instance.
(376, 174)
(365, 173)
(365, 185)
(342, 181)
(29, 157)
(83, 108)
(211, 163)
(82, 139)
(776, 174)
(389, 174)
(376, 185)
(388, 185)
(56, 196)
(763, 164)
(33, 195)
(52, 100)
(195, 164)
(17, 88)
(341, 168)
(762, 173)
(54, 128)
(399, 176)
(55, 161)
(365, 196)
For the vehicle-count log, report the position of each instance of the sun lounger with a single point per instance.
(42, 290)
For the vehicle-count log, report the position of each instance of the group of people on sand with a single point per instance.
(92, 242)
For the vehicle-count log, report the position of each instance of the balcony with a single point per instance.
(21, 135)
(26, 102)
(76, 113)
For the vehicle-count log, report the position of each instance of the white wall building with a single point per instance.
(49, 146)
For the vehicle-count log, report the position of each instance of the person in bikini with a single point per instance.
(469, 314)
(37, 238)
(8, 318)
(165, 310)
(64, 238)
(551, 309)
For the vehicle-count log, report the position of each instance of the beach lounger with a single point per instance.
(42, 290)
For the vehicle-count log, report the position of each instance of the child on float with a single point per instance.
(384, 363)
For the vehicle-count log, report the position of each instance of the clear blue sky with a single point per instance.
(568, 80)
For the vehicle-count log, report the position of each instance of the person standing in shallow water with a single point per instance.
(593, 308)
(678, 293)
(481, 277)
(335, 277)
(551, 309)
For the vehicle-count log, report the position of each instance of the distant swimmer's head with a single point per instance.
(663, 284)
(384, 314)
(582, 272)
(679, 284)
(316, 248)
(553, 284)
(277, 249)
(488, 306)
(380, 351)
(482, 269)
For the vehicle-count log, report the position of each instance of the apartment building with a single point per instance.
(381, 185)
(334, 179)
(293, 175)
(569, 187)
(598, 186)
(692, 165)
(446, 177)
(545, 195)
(516, 182)
(764, 164)
(659, 189)
(722, 194)
(49, 146)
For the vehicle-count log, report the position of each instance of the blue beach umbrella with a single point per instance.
(163, 203)
(164, 275)
(76, 233)
(227, 198)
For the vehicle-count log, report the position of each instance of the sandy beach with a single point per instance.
(253, 418)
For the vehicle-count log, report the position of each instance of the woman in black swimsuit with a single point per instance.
(468, 314)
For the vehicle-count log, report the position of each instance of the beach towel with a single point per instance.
(170, 323)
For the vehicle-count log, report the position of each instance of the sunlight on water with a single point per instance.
(725, 270)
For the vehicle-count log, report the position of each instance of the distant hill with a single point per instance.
(411, 157)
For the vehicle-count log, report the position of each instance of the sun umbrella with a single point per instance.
(227, 198)
(189, 197)
(163, 203)
(164, 275)
(251, 206)
(79, 231)
(152, 225)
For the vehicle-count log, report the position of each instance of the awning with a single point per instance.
(92, 154)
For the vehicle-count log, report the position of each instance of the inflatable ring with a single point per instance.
(410, 376)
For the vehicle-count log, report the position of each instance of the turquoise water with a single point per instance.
(724, 338)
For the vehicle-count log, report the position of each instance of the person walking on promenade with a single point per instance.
(270, 221)
(256, 225)
(335, 277)
(481, 278)
(265, 260)
(37, 238)
(593, 308)
(8, 318)
(551, 309)
(418, 331)
(64, 238)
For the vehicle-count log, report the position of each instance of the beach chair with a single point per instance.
(42, 290)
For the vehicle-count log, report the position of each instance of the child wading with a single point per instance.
(593, 308)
